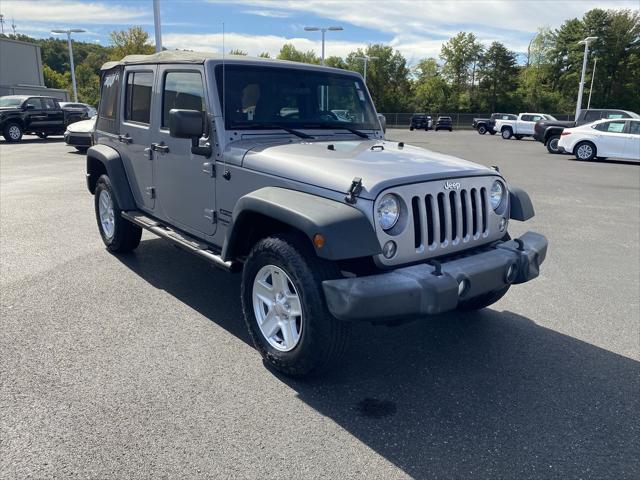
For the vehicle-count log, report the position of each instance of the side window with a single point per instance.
(138, 97)
(634, 128)
(109, 95)
(48, 103)
(536, 118)
(614, 115)
(34, 103)
(611, 127)
(526, 118)
(592, 116)
(183, 90)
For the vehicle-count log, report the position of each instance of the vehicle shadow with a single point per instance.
(490, 394)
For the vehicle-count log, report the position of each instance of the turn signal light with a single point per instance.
(565, 133)
(318, 240)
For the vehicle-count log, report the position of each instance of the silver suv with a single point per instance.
(280, 170)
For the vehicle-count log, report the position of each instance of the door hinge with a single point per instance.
(211, 215)
(148, 153)
(209, 168)
(151, 192)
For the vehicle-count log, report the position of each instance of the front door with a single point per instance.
(36, 116)
(135, 133)
(632, 145)
(185, 181)
(611, 138)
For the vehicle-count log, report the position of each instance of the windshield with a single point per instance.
(11, 101)
(259, 97)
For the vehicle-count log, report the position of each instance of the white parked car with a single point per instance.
(603, 139)
(523, 126)
(80, 134)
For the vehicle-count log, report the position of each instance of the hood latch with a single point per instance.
(354, 190)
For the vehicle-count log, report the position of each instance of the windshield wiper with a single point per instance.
(269, 126)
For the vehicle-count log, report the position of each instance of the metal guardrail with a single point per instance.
(461, 121)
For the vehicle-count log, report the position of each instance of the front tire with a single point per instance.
(118, 234)
(585, 151)
(284, 306)
(12, 132)
(506, 133)
(552, 144)
(41, 135)
(482, 129)
(518, 137)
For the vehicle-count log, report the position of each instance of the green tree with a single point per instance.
(265, 55)
(498, 75)
(335, 62)
(387, 76)
(289, 52)
(130, 42)
(53, 79)
(237, 51)
(460, 55)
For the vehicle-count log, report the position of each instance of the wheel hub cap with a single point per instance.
(277, 308)
(105, 211)
(14, 132)
(584, 151)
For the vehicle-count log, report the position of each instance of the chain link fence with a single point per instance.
(461, 121)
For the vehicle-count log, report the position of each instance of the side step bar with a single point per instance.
(178, 238)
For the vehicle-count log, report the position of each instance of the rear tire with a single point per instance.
(119, 235)
(41, 135)
(492, 132)
(82, 149)
(585, 151)
(411, 129)
(12, 132)
(506, 133)
(552, 144)
(482, 129)
(518, 137)
(320, 339)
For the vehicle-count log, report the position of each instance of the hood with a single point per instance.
(83, 126)
(9, 109)
(334, 164)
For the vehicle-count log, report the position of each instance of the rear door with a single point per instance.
(185, 181)
(135, 131)
(611, 138)
(632, 143)
(55, 115)
(528, 123)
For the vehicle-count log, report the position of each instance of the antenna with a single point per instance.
(13, 26)
(226, 173)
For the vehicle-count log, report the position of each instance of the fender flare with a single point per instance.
(521, 207)
(347, 231)
(112, 163)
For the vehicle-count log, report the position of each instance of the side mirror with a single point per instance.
(189, 124)
(186, 123)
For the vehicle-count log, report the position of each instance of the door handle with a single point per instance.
(125, 138)
(160, 147)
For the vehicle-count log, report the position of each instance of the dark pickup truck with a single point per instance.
(485, 125)
(42, 116)
(548, 131)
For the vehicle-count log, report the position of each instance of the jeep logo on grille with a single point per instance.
(449, 185)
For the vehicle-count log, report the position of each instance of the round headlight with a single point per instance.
(497, 192)
(388, 211)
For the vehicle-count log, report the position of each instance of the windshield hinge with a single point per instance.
(354, 190)
(209, 168)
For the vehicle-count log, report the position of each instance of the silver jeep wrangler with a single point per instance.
(281, 170)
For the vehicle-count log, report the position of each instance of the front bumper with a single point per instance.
(77, 139)
(418, 290)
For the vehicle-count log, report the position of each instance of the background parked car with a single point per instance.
(521, 127)
(421, 121)
(41, 116)
(548, 131)
(602, 139)
(444, 123)
(486, 125)
(80, 134)
(91, 112)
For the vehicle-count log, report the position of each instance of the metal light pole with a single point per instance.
(69, 31)
(586, 42)
(156, 24)
(366, 59)
(323, 30)
(593, 75)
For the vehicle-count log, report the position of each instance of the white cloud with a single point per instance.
(253, 44)
(430, 16)
(268, 13)
(74, 12)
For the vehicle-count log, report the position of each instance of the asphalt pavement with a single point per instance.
(139, 366)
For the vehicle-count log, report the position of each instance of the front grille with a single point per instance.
(449, 217)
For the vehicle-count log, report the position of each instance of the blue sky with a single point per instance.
(416, 28)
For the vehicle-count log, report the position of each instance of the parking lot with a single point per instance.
(139, 365)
